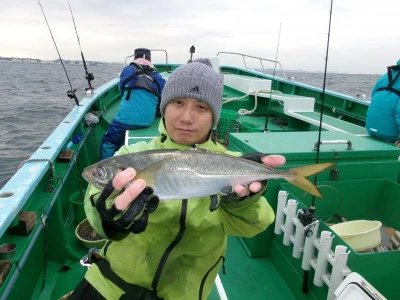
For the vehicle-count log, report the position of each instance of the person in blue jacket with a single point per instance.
(141, 86)
(383, 115)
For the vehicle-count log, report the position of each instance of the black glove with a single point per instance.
(145, 201)
(256, 157)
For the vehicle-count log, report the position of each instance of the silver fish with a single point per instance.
(184, 174)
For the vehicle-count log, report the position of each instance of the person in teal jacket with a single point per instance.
(172, 249)
(383, 115)
(141, 86)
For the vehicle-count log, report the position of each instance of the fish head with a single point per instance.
(101, 173)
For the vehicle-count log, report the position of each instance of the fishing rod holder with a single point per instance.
(89, 77)
(311, 245)
(348, 142)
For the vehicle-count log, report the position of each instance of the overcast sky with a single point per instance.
(365, 34)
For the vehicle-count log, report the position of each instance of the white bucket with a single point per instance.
(359, 234)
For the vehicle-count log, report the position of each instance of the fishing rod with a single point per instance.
(308, 216)
(273, 76)
(71, 93)
(323, 96)
(89, 76)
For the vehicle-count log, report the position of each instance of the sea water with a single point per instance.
(33, 99)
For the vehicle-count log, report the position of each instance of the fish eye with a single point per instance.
(100, 173)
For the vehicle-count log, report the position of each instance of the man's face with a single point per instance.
(188, 121)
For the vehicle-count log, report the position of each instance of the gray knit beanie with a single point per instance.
(196, 80)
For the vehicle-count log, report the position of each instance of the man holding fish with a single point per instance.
(170, 249)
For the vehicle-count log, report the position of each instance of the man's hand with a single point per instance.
(271, 161)
(136, 198)
(131, 192)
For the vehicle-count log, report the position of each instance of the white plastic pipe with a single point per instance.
(299, 237)
(325, 243)
(289, 226)
(339, 269)
(309, 246)
(279, 217)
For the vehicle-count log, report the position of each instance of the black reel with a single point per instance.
(71, 95)
(306, 218)
(89, 76)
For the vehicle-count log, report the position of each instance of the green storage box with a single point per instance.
(374, 199)
(367, 159)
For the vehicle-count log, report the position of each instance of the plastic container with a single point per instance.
(88, 236)
(359, 234)
(7, 251)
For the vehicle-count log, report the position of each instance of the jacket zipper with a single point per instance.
(203, 281)
(175, 242)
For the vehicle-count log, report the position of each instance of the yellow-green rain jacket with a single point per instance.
(192, 265)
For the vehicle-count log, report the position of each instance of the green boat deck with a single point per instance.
(256, 277)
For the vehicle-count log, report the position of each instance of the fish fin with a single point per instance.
(148, 173)
(300, 173)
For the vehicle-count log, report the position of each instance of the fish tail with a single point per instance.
(299, 174)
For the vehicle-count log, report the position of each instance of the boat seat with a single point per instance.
(304, 110)
(328, 123)
(247, 84)
(299, 107)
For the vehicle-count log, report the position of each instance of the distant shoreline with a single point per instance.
(54, 62)
(99, 63)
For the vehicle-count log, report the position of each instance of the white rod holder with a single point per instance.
(289, 226)
(299, 237)
(339, 269)
(325, 243)
(311, 235)
(282, 199)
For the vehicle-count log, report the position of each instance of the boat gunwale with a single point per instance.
(295, 83)
(16, 192)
